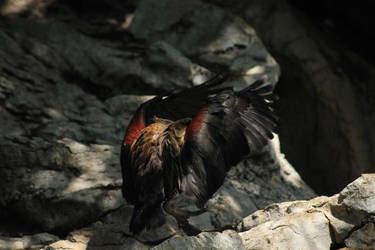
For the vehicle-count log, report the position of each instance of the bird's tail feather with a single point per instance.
(148, 216)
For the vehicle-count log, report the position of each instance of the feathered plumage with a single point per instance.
(186, 142)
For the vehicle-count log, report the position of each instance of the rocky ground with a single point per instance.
(72, 74)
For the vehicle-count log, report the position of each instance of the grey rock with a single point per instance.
(173, 69)
(307, 231)
(58, 178)
(65, 104)
(363, 238)
(228, 239)
(36, 241)
(110, 232)
(196, 29)
(360, 194)
(319, 223)
(320, 104)
(65, 101)
(124, 104)
(251, 185)
(152, 17)
(241, 194)
(314, 224)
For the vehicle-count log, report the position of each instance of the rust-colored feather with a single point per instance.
(196, 123)
(145, 152)
(135, 127)
(185, 151)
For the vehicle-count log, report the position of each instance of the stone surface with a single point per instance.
(363, 238)
(36, 241)
(200, 31)
(69, 85)
(251, 185)
(320, 223)
(307, 231)
(315, 224)
(360, 194)
(66, 98)
(328, 96)
(226, 240)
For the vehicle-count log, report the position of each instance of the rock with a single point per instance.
(315, 224)
(310, 231)
(65, 244)
(65, 101)
(36, 241)
(228, 239)
(110, 232)
(151, 17)
(173, 69)
(252, 184)
(319, 223)
(67, 92)
(360, 194)
(125, 104)
(198, 33)
(363, 238)
(64, 177)
(326, 101)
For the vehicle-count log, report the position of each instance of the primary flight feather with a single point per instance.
(185, 143)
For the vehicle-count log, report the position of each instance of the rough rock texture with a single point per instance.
(345, 219)
(36, 241)
(363, 238)
(66, 98)
(251, 185)
(329, 90)
(65, 103)
(226, 240)
(308, 231)
(73, 72)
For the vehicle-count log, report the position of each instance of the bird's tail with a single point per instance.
(147, 216)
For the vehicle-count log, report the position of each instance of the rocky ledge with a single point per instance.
(72, 75)
(343, 220)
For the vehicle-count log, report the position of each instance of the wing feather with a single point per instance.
(226, 126)
(232, 125)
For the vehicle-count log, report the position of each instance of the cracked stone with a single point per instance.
(363, 238)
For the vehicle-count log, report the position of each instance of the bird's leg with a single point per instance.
(182, 215)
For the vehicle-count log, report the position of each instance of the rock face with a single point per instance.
(226, 240)
(65, 103)
(321, 223)
(329, 90)
(68, 87)
(345, 219)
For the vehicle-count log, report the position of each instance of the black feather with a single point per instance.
(226, 126)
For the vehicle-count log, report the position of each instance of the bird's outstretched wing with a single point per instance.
(173, 107)
(224, 130)
(203, 131)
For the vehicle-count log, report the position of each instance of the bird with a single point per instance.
(183, 143)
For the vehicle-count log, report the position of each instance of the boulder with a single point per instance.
(225, 240)
(320, 223)
(345, 219)
(36, 241)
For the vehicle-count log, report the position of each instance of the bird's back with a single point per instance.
(200, 134)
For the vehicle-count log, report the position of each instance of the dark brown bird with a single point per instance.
(184, 144)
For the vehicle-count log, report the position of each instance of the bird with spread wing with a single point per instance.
(184, 143)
